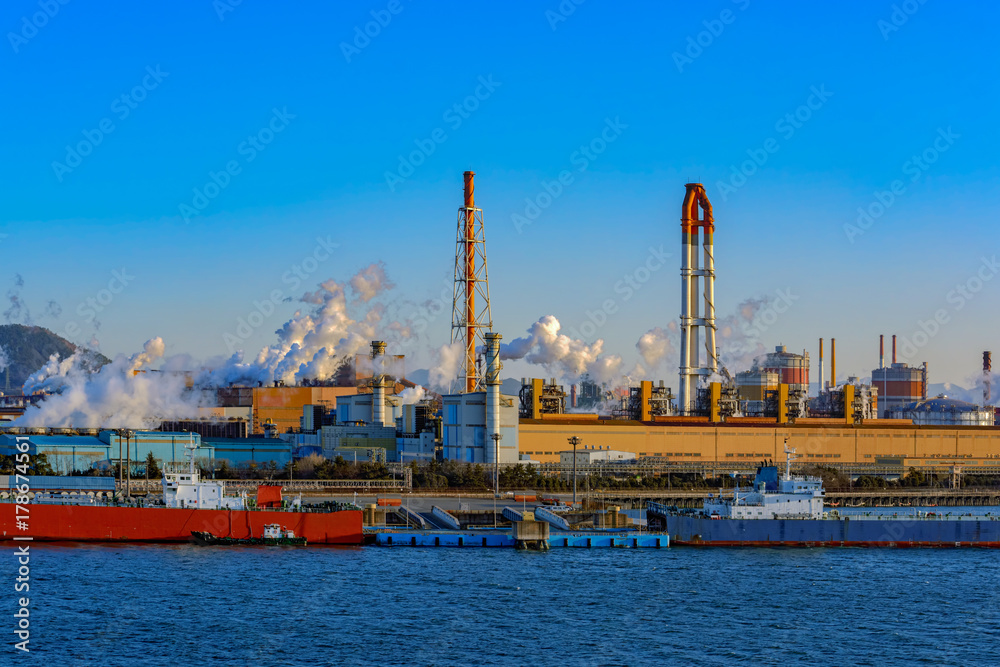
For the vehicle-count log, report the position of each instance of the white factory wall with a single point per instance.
(464, 436)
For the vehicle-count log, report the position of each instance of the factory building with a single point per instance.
(593, 454)
(278, 405)
(80, 453)
(943, 411)
(471, 420)
(819, 441)
(898, 384)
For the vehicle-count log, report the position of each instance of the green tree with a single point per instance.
(152, 468)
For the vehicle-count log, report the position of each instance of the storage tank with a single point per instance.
(943, 411)
(899, 385)
(792, 369)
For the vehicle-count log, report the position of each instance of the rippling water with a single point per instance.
(140, 605)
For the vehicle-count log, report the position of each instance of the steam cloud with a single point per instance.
(17, 312)
(122, 394)
(560, 354)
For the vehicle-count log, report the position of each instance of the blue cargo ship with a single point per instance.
(788, 511)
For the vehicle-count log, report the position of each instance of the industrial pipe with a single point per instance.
(822, 386)
(493, 367)
(833, 362)
(378, 382)
(691, 367)
(470, 282)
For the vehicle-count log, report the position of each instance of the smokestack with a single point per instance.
(572, 396)
(987, 370)
(378, 382)
(470, 286)
(493, 367)
(923, 389)
(881, 351)
(893, 349)
(693, 277)
(833, 362)
(822, 387)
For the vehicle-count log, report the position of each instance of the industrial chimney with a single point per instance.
(693, 277)
(493, 367)
(881, 351)
(833, 362)
(822, 386)
(987, 370)
(378, 382)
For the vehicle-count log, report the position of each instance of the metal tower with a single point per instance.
(693, 277)
(471, 317)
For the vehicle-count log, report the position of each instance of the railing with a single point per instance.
(445, 518)
(155, 485)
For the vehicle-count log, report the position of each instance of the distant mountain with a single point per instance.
(26, 349)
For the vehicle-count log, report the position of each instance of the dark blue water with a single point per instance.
(163, 605)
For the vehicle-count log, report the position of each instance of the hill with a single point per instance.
(28, 348)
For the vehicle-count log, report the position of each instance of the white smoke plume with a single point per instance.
(314, 342)
(737, 336)
(370, 282)
(122, 394)
(558, 353)
(17, 312)
(657, 344)
(4, 359)
(412, 395)
(445, 370)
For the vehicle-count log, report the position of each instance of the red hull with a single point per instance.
(85, 523)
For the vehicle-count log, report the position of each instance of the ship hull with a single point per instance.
(844, 532)
(87, 523)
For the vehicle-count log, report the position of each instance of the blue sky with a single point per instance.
(889, 89)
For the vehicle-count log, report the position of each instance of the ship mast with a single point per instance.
(789, 457)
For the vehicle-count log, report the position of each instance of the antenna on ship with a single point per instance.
(789, 457)
(191, 447)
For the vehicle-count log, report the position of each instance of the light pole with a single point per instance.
(496, 463)
(574, 441)
(125, 459)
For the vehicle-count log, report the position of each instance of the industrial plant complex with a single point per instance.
(720, 420)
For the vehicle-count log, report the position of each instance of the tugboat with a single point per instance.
(274, 536)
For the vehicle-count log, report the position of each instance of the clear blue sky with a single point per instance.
(888, 94)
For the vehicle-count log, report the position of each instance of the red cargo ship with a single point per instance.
(188, 505)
